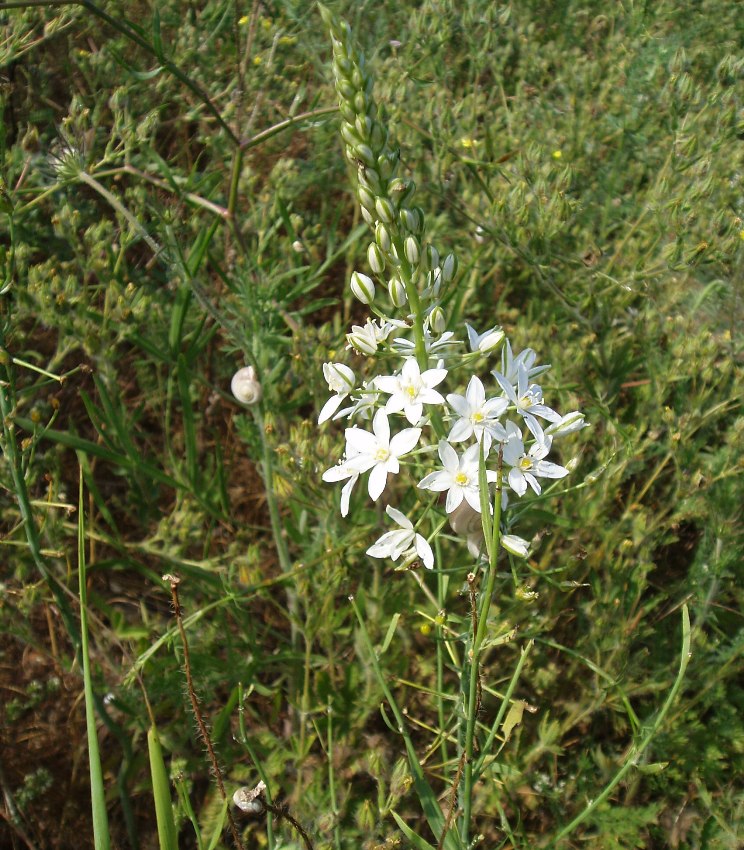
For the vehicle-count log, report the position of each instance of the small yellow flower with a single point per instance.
(243, 21)
(557, 154)
(741, 234)
(468, 143)
(288, 40)
(257, 60)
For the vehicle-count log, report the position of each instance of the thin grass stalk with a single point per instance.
(101, 837)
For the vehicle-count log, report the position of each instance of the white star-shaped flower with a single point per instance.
(528, 466)
(342, 472)
(478, 416)
(411, 389)
(527, 398)
(403, 541)
(459, 477)
(340, 380)
(484, 342)
(376, 452)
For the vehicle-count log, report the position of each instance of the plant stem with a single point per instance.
(479, 630)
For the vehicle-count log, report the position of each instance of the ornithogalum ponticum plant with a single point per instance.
(437, 410)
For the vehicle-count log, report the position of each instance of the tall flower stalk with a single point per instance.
(485, 421)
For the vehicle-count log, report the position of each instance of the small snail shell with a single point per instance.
(250, 800)
(245, 386)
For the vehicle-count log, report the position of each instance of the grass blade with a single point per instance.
(167, 834)
(101, 838)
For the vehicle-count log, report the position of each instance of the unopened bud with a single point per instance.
(349, 134)
(432, 257)
(397, 292)
(363, 126)
(363, 287)
(385, 210)
(365, 155)
(375, 258)
(363, 343)
(437, 321)
(360, 103)
(412, 250)
(449, 267)
(366, 198)
(382, 237)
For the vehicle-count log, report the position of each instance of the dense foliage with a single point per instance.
(176, 205)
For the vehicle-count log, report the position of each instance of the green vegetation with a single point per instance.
(176, 205)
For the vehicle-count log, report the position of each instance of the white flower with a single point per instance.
(516, 545)
(477, 416)
(340, 380)
(526, 398)
(484, 342)
(527, 467)
(365, 402)
(459, 477)
(404, 541)
(567, 424)
(341, 472)
(366, 338)
(411, 390)
(377, 451)
(432, 344)
(510, 364)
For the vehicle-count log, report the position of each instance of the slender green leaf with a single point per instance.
(167, 833)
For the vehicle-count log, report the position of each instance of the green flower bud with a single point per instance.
(378, 137)
(420, 220)
(349, 134)
(397, 292)
(412, 250)
(449, 267)
(408, 219)
(363, 287)
(358, 78)
(375, 258)
(386, 165)
(345, 90)
(360, 103)
(385, 210)
(382, 237)
(366, 199)
(368, 217)
(364, 153)
(437, 321)
(432, 257)
(371, 181)
(363, 126)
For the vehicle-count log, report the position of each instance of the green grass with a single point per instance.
(175, 205)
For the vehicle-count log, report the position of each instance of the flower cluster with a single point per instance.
(505, 419)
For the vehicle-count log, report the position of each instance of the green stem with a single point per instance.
(478, 637)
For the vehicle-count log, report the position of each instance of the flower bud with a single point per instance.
(363, 343)
(345, 89)
(371, 181)
(368, 217)
(382, 237)
(515, 545)
(408, 219)
(412, 250)
(363, 126)
(397, 292)
(363, 287)
(385, 211)
(360, 103)
(437, 321)
(349, 134)
(449, 267)
(378, 136)
(365, 155)
(366, 198)
(375, 258)
(432, 257)
(245, 386)
(386, 165)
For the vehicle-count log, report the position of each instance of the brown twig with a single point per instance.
(174, 581)
(453, 801)
(283, 812)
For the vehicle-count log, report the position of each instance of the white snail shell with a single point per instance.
(250, 800)
(245, 386)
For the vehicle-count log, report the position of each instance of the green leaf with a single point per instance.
(417, 841)
(167, 833)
